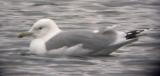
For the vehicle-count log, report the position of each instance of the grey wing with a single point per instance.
(89, 40)
(109, 34)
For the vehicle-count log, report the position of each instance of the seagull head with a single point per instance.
(41, 28)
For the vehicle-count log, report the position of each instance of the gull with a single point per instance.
(49, 39)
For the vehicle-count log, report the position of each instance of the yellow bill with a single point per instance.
(23, 34)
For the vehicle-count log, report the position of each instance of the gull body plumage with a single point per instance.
(49, 39)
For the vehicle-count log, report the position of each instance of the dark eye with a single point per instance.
(40, 28)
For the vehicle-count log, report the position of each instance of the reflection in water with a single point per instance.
(136, 59)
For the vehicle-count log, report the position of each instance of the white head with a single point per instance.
(43, 28)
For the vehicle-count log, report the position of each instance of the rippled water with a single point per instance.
(134, 60)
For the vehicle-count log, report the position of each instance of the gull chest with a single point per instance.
(37, 46)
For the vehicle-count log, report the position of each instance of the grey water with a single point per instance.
(133, 60)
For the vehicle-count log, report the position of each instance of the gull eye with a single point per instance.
(40, 28)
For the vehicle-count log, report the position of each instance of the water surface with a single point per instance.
(134, 60)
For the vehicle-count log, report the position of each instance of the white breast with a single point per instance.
(37, 46)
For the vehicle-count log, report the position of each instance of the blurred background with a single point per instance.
(138, 59)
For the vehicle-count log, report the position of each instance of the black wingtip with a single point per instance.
(133, 34)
